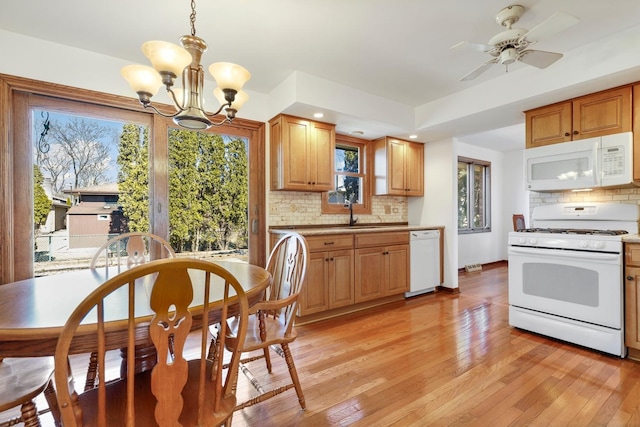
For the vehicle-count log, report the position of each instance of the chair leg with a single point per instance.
(92, 372)
(294, 375)
(267, 359)
(52, 401)
(263, 337)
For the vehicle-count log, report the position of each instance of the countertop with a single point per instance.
(631, 238)
(356, 229)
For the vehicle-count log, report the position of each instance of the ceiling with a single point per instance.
(398, 51)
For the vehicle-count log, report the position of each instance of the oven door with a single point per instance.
(583, 286)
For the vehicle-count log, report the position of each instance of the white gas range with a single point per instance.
(566, 273)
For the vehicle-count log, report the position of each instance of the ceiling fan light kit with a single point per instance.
(512, 44)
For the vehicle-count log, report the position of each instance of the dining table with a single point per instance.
(33, 311)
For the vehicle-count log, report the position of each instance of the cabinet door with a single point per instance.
(296, 136)
(370, 271)
(397, 261)
(602, 113)
(549, 125)
(396, 167)
(314, 297)
(321, 163)
(341, 278)
(632, 305)
(414, 165)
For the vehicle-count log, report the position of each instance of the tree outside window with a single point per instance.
(351, 183)
(474, 195)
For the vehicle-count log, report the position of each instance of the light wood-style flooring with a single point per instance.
(445, 360)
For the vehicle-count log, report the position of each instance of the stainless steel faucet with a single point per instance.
(352, 220)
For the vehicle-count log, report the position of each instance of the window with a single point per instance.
(474, 195)
(351, 183)
(17, 235)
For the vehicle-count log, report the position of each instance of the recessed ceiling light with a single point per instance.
(318, 115)
(356, 132)
(413, 136)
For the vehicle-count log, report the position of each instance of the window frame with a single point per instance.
(18, 95)
(364, 207)
(486, 228)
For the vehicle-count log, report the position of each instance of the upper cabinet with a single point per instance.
(398, 167)
(302, 154)
(602, 113)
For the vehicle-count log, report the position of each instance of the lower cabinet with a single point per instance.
(350, 268)
(329, 281)
(632, 299)
(381, 271)
(381, 264)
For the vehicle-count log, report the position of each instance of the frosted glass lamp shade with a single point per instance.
(240, 98)
(167, 57)
(142, 78)
(228, 75)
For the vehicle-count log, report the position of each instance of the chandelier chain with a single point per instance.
(192, 17)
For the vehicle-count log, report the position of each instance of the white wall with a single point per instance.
(56, 63)
(516, 198)
(438, 206)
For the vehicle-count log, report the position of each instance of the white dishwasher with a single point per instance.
(424, 248)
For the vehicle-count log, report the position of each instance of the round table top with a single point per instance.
(33, 311)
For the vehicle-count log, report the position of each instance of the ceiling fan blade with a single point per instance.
(481, 69)
(480, 47)
(557, 22)
(539, 58)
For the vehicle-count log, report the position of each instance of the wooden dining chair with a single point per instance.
(21, 381)
(123, 252)
(271, 321)
(196, 392)
(130, 249)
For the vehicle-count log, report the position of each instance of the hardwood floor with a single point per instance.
(445, 360)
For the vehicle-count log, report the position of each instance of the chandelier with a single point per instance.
(170, 61)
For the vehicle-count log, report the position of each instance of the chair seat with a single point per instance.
(145, 401)
(276, 333)
(22, 379)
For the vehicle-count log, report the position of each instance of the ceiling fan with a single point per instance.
(511, 44)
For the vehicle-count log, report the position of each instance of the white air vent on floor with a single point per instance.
(473, 267)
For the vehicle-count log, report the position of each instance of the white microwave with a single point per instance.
(604, 161)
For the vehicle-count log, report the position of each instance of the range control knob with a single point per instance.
(522, 240)
(583, 244)
(533, 241)
(598, 244)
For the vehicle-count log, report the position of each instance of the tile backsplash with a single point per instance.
(616, 195)
(299, 208)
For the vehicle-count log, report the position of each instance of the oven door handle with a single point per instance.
(580, 255)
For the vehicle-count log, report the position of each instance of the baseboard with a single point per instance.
(448, 290)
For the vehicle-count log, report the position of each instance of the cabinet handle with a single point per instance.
(331, 259)
(326, 259)
(328, 243)
(567, 134)
(575, 132)
(629, 277)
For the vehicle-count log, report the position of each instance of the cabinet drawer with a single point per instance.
(632, 254)
(329, 242)
(366, 240)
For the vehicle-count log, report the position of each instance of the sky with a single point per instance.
(111, 139)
